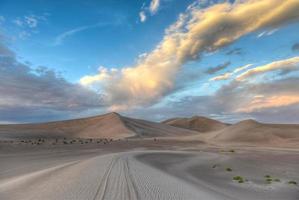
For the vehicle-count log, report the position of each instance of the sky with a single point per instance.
(152, 59)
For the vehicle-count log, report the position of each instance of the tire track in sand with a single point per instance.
(117, 182)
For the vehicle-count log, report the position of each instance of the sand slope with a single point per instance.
(197, 123)
(255, 133)
(111, 125)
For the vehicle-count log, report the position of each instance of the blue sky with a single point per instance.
(137, 65)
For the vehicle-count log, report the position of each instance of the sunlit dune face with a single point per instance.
(261, 102)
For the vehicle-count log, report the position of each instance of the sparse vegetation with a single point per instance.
(292, 183)
(239, 179)
(228, 169)
(214, 166)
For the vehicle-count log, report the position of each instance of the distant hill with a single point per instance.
(111, 125)
(255, 133)
(197, 123)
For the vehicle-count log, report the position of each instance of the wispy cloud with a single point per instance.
(28, 24)
(229, 75)
(284, 66)
(154, 6)
(152, 9)
(142, 16)
(63, 36)
(218, 68)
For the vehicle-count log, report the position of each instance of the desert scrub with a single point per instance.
(239, 179)
(276, 180)
(214, 166)
(232, 151)
(228, 169)
(267, 176)
(292, 183)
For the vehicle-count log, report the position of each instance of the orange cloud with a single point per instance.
(262, 102)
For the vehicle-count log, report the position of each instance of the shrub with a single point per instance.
(229, 169)
(292, 182)
(239, 179)
(214, 166)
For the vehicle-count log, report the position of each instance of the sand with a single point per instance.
(111, 125)
(144, 171)
(118, 158)
(196, 123)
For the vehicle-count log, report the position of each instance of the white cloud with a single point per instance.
(196, 31)
(229, 75)
(63, 36)
(154, 6)
(31, 21)
(287, 65)
(142, 16)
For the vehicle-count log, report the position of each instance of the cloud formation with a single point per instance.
(154, 6)
(218, 68)
(38, 92)
(63, 36)
(229, 75)
(196, 31)
(284, 66)
(142, 16)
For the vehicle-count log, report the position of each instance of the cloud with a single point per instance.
(235, 51)
(218, 68)
(39, 92)
(63, 36)
(241, 97)
(154, 6)
(152, 9)
(295, 47)
(284, 66)
(228, 75)
(196, 31)
(276, 101)
(142, 16)
(267, 33)
(29, 21)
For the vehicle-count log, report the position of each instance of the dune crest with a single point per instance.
(110, 125)
(197, 123)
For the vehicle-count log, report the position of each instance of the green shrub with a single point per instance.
(229, 169)
(292, 182)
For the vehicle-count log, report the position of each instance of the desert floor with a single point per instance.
(147, 169)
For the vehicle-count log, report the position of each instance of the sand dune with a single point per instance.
(197, 123)
(255, 133)
(111, 125)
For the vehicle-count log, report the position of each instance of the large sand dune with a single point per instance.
(197, 123)
(111, 125)
(255, 133)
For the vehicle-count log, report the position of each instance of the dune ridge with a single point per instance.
(111, 125)
(197, 123)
